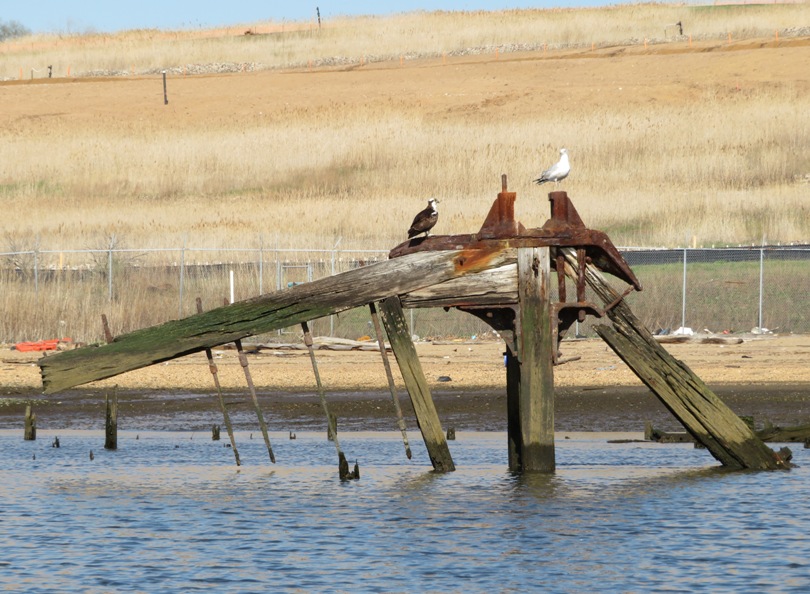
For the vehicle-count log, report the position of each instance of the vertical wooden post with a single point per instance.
(30, 433)
(536, 398)
(515, 440)
(426, 416)
(111, 423)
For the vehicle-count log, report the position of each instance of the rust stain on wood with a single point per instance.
(474, 260)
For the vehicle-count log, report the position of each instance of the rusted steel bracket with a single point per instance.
(563, 316)
(564, 229)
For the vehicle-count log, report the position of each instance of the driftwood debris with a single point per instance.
(699, 339)
(769, 433)
(713, 424)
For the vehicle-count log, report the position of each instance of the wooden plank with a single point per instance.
(269, 312)
(497, 286)
(399, 336)
(727, 437)
(535, 354)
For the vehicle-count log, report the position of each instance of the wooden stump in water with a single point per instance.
(343, 469)
(30, 433)
(215, 429)
(111, 432)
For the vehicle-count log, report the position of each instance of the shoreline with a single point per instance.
(767, 378)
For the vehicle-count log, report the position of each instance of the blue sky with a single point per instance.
(78, 16)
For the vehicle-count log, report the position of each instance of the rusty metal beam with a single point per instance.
(563, 229)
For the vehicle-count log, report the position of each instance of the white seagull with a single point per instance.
(557, 172)
(425, 220)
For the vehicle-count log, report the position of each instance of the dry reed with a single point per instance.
(711, 164)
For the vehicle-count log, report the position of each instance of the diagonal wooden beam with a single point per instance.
(399, 335)
(702, 413)
(262, 314)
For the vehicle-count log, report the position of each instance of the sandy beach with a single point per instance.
(767, 377)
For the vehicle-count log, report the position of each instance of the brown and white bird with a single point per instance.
(557, 172)
(425, 220)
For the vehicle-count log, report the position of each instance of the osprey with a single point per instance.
(557, 172)
(425, 220)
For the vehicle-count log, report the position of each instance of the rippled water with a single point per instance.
(170, 512)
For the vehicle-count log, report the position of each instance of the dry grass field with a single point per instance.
(343, 133)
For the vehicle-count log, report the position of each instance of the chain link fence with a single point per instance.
(62, 294)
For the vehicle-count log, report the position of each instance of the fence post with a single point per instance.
(36, 272)
(334, 256)
(261, 265)
(109, 271)
(182, 274)
(683, 293)
(761, 270)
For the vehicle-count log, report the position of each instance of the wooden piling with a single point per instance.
(702, 413)
(215, 432)
(331, 422)
(390, 376)
(30, 432)
(111, 421)
(212, 367)
(513, 433)
(331, 427)
(536, 391)
(427, 418)
(244, 363)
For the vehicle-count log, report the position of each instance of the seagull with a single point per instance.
(557, 172)
(425, 220)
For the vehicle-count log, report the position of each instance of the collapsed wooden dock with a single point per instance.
(503, 274)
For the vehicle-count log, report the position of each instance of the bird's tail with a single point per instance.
(540, 180)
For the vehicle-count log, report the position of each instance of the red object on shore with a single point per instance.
(40, 345)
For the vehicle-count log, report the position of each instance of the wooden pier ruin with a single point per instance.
(504, 275)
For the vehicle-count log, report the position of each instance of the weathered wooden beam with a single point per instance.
(497, 286)
(535, 355)
(727, 437)
(399, 336)
(262, 314)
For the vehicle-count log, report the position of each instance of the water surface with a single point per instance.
(170, 512)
